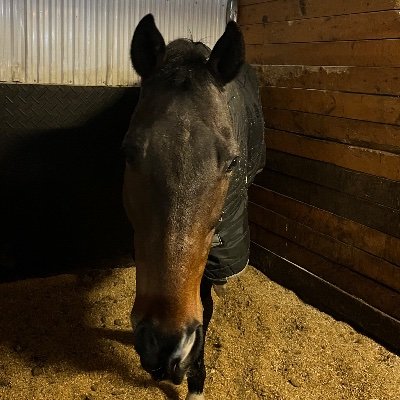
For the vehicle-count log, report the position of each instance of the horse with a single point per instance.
(193, 146)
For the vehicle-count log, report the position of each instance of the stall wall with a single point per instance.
(325, 211)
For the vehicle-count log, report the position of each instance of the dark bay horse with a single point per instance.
(194, 145)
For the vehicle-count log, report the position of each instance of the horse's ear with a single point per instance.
(147, 47)
(227, 56)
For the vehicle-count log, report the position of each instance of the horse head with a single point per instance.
(180, 152)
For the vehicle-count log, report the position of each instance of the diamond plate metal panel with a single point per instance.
(36, 107)
(61, 173)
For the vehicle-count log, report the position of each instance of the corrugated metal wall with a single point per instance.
(86, 42)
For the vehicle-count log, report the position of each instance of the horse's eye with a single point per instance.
(233, 164)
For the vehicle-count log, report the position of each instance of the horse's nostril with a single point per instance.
(158, 374)
(166, 356)
(175, 364)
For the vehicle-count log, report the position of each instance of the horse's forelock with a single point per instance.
(185, 64)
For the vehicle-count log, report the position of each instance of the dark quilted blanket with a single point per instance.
(231, 243)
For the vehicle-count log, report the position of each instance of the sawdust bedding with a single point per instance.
(69, 337)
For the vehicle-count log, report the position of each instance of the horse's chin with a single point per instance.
(175, 377)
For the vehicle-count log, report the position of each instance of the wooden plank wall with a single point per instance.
(328, 200)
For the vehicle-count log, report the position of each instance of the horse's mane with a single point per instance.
(184, 65)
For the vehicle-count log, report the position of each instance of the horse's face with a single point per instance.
(180, 152)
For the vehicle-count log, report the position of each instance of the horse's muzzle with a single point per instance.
(175, 374)
(167, 356)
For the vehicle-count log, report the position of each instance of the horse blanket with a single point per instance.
(230, 249)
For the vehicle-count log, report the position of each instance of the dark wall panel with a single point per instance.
(61, 173)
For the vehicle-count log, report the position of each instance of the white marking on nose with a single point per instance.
(184, 347)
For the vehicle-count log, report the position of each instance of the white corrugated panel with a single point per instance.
(87, 42)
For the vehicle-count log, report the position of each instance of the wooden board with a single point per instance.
(366, 53)
(375, 25)
(255, 11)
(374, 162)
(369, 80)
(364, 107)
(378, 296)
(369, 214)
(366, 134)
(327, 247)
(328, 297)
(349, 232)
(371, 188)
